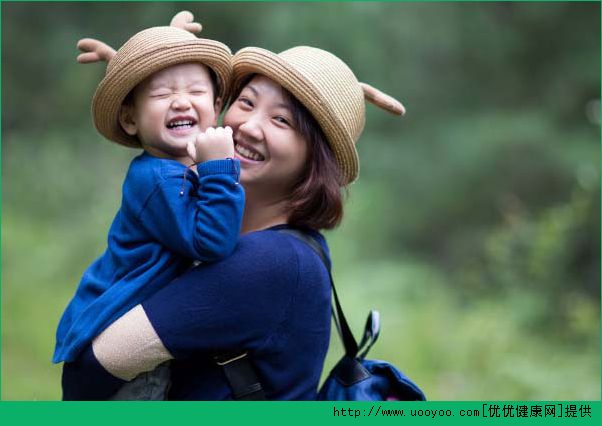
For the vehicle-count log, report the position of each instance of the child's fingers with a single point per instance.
(228, 135)
(201, 137)
(224, 133)
(191, 149)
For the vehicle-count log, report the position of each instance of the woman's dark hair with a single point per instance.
(316, 201)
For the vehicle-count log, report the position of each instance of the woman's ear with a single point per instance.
(127, 121)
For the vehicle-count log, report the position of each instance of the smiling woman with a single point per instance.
(264, 114)
(295, 119)
(272, 152)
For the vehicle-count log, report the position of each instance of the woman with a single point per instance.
(296, 117)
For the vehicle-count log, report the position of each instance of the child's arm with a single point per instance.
(197, 221)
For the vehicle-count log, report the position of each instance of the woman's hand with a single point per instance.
(213, 144)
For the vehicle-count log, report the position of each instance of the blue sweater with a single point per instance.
(166, 220)
(270, 297)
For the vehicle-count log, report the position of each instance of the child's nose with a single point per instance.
(181, 102)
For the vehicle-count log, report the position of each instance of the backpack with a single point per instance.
(354, 378)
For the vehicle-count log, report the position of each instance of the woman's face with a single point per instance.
(272, 153)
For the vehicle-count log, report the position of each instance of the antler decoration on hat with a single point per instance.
(185, 21)
(382, 100)
(94, 51)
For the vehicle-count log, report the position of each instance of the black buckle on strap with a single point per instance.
(241, 376)
(227, 359)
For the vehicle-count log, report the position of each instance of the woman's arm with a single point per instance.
(130, 346)
(125, 349)
(229, 305)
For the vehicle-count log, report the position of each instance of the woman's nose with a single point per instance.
(181, 102)
(252, 128)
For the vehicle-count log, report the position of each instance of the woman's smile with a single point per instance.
(246, 153)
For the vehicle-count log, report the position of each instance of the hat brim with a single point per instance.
(123, 77)
(254, 60)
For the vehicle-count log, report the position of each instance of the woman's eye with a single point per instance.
(245, 102)
(282, 120)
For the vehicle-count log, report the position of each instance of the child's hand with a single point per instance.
(213, 144)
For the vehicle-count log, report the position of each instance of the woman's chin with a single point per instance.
(245, 177)
(249, 177)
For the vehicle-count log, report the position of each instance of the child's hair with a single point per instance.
(316, 201)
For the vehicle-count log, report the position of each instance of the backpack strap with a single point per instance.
(349, 342)
(241, 376)
(371, 332)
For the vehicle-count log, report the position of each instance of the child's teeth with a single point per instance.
(181, 123)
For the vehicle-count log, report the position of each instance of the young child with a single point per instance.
(162, 92)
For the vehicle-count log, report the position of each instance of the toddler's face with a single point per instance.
(170, 108)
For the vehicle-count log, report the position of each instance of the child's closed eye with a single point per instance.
(159, 94)
(198, 91)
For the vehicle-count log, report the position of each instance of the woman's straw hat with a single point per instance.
(147, 52)
(326, 86)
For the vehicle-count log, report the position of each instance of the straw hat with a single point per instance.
(326, 87)
(147, 52)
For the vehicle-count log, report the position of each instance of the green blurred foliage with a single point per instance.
(474, 227)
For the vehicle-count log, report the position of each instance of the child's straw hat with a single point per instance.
(147, 52)
(326, 86)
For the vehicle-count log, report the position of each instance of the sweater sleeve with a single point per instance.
(128, 347)
(197, 221)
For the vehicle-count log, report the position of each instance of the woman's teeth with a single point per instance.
(246, 153)
(183, 124)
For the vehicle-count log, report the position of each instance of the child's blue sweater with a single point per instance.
(169, 216)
